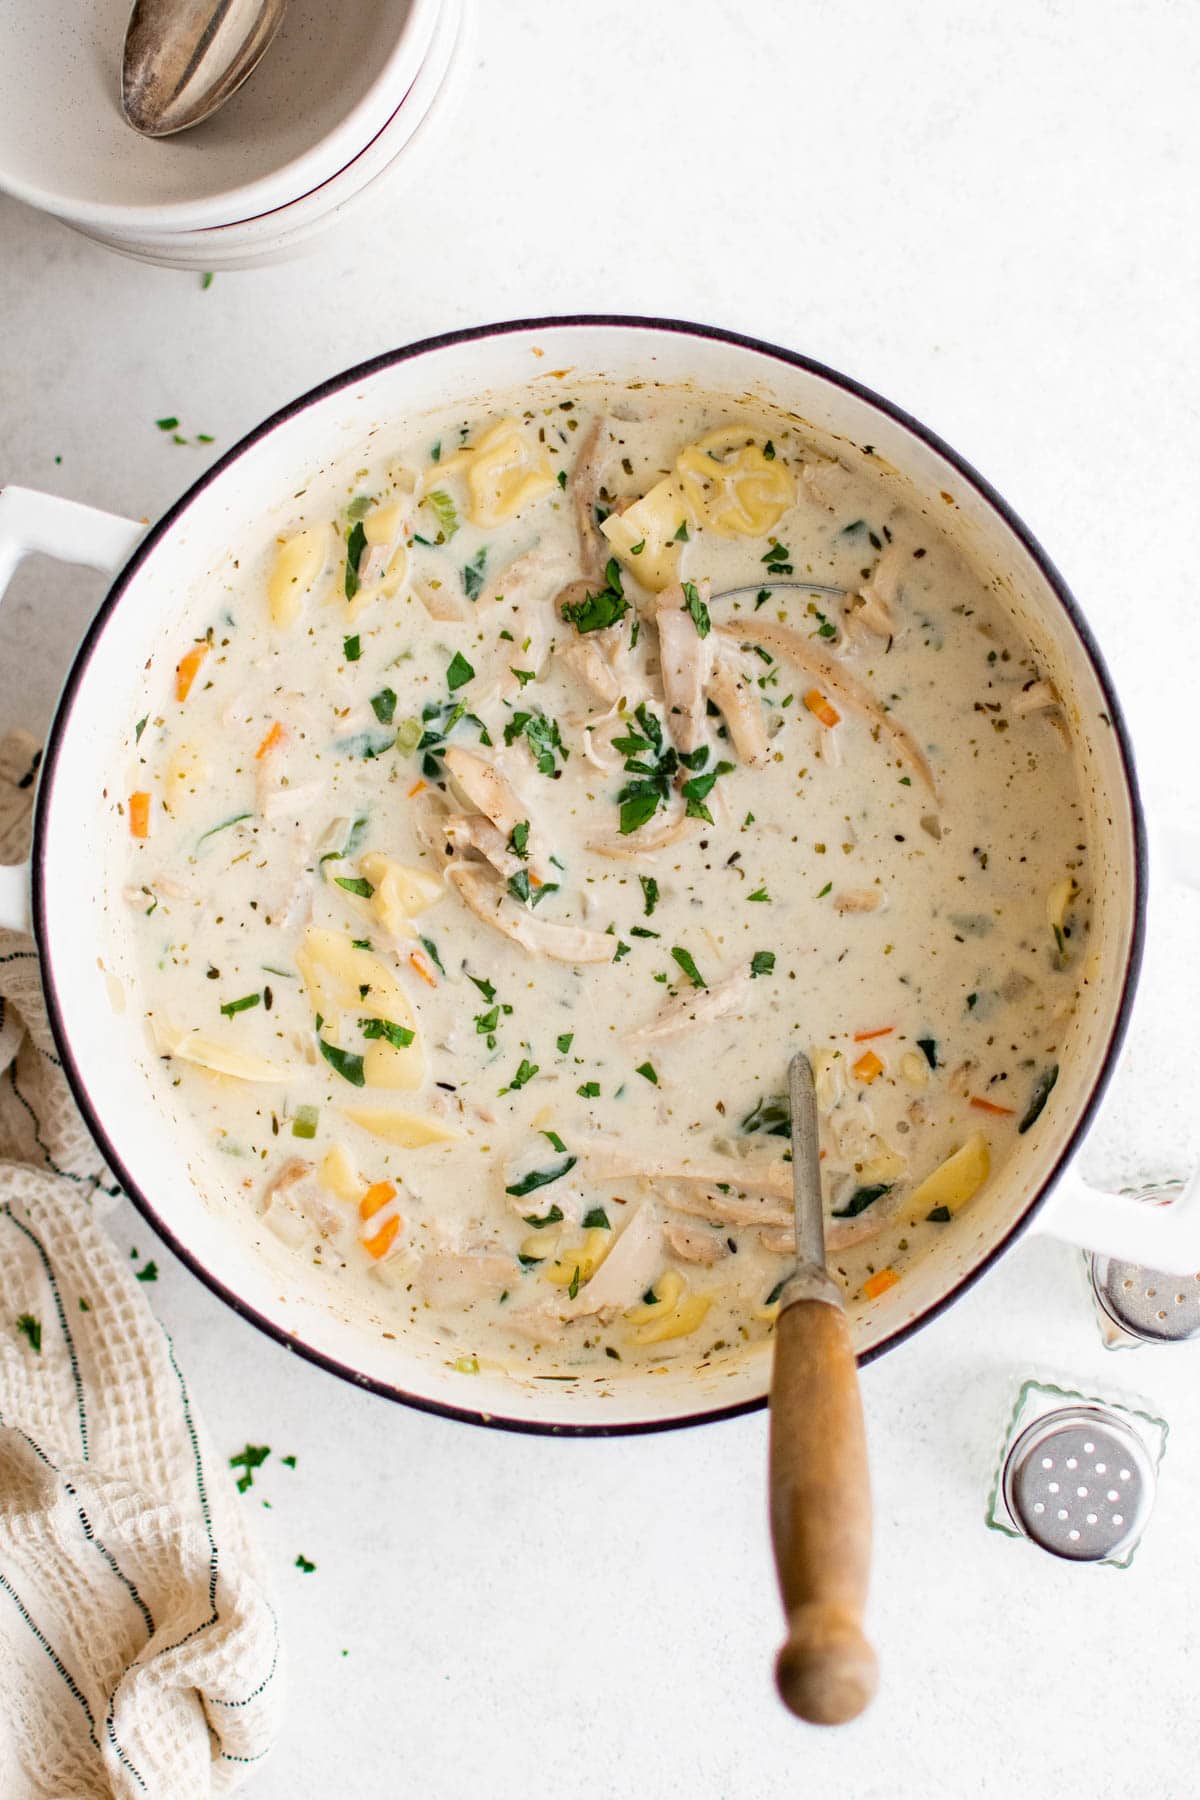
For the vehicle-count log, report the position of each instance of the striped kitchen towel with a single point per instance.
(139, 1651)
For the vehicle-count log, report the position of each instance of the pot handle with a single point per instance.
(31, 522)
(1156, 1228)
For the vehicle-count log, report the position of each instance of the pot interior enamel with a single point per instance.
(80, 843)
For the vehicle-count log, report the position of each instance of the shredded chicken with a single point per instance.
(488, 899)
(686, 661)
(639, 844)
(731, 690)
(603, 1159)
(697, 1006)
(472, 831)
(803, 653)
(858, 900)
(587, 661)
(691, 1246)
(585, 492)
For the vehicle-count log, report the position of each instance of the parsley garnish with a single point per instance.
(399, 1036)
(30, 1329)
(302, 1562)
(355, 884)
(344, 1062)
(759, 894)
(597, 611)
(778, 560)
(649, 1072)
(861, 1198)
(543, 737)
(649, 893)
(352, 648)
(459, 672)
(247, 1460)
(565, 1041)
(383, 705)
(526, 1071)
(762, 963)
(518, 841)
(537, 1178)
(596, 1219)
(929, 1046)
(693, 604)
(473, 574)
(697, 790)
(553, 1217)
(243, 1005)
(588, 1090)
(687, 963)
(356, 543)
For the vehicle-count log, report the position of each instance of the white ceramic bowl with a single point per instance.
(327, 86)
(288, 230)
(80, 852)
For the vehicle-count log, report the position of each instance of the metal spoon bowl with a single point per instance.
(185, 58)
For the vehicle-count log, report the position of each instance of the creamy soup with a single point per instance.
(513, 814)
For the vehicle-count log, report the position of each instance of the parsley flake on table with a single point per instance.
(148, 1272)
(247, 1460)
(303, 1564)
(31, 1330)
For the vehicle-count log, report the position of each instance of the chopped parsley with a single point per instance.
(778, 560)
(247, 1460)
(759, 894)
(243, 1005)
(687, 963)
(596, 1219)
(542, 736)
(538, 1178)
(399, 1036)
(147, 1272)
(352, 648)
(653, 766)
(383, 705)
(553, 1217)
(303, 1563)
(861, 1198)
(459, 672)
(648, 1073)
(597, 611)
(31, 1330)
(473, 574)
(649, 893)
(343, 1062)
(565, 1041)
(762, 963)
(518, 841)
(693, 604)
(526, 1071)
(929, 1047)
(696, 791)
(355, 884)
(588, 1090)
(356, 543)
(521, 887)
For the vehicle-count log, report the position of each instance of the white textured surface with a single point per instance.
(986, 213)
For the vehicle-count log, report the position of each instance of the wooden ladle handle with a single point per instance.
(820, 1514)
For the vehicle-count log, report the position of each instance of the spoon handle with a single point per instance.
(820, 1508)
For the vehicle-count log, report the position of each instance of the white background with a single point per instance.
(986, 212)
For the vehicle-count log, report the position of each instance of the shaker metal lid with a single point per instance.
(1162, 1309)
(1080, 1482)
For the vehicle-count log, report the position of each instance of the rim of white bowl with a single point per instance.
(312, 211)
(322, 160)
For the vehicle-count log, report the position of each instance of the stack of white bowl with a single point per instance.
(343, 102)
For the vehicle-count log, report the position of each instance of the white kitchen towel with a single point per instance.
(139, 1653)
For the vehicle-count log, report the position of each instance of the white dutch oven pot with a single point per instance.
(72, 886)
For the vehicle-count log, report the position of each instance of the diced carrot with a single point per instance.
(862, 1037)
(384, 1238)
(187, 669)
(376, 1198)
(416, 788)
(275, 736)
(867, 1068)
(880, 1283)
(989, 1106)
(139, 815)
(821, 708)
(422, 968)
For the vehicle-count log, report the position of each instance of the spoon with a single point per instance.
(185, 58)
(820, 1495)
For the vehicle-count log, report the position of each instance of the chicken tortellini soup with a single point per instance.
(508, 814)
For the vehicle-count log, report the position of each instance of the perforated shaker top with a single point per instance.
(1080, 1483)
(1160, 1308)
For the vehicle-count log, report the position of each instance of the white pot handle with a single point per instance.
(1159, 1229)
(31, 522)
